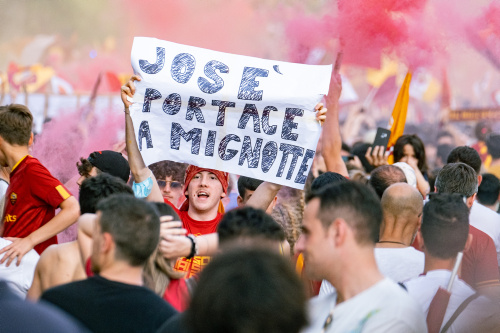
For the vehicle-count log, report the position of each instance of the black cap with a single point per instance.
(110, 162)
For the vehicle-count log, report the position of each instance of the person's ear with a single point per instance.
(479, 180)
(468, 242)
(338, 231)
(240, 202)
(470, 200)
(223, 195)
(30, 142)
(420, 240)
(273, 203)
(107, 243)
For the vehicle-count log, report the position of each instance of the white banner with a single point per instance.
(239, 114)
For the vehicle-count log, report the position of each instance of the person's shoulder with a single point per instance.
(33, 163)
(390, 287)
(414, 282)
(66, 251)
(66, 289)
(60, 253)
(480, 238)
(50, 252)
(399, 308)
(149, 299)
(34, 167)
(477, 233)
(393, 294)
(479, 211)
(414, 251)
(148, 295)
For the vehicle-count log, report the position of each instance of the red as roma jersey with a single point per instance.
(31, 200)
(194, 265)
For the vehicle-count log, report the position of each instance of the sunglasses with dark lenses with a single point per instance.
(173, 185)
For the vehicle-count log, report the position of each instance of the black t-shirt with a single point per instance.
(109, 306)
(174, 325)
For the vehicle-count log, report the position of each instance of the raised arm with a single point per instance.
(137, 166)
(85, 229)
(332, 140)
(263, 195)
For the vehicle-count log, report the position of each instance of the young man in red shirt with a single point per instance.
(204, 188)
(33, 195)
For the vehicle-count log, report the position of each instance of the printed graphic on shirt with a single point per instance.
(13, 198)
(192, 266)
(363, 321)
(10, 218)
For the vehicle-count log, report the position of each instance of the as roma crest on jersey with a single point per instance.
(13, 198)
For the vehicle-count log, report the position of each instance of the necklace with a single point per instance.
(392, 242)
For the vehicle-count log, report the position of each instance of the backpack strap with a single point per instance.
(459, 310)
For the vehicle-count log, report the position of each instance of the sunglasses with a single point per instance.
(173, 185)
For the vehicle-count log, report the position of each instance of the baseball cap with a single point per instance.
(110, 162)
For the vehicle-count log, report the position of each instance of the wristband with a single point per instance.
(194, 246)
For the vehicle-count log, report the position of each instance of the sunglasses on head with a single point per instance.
(173, 185)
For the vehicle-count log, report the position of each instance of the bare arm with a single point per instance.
(263, 195)
(174, 244)
(84, 240)
(137, 166)
(332, 140)
(35, 290)
(422, 184)
(70, 210)
(208, 244)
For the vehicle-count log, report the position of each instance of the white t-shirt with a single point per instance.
(479, 311)
(3, 190)
(19, 277)
(384, 307)
(487, 221)
(398, 264)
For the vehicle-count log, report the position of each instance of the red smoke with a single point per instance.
(236, 26)
(68, 137)
(417, 32)
(484, 33)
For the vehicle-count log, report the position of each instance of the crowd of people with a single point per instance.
(370, 244)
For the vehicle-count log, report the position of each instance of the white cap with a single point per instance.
(411, 178)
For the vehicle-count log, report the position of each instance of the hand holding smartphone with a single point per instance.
(381, 138)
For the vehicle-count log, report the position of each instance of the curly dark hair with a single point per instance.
(164, 169)
(84, 167)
